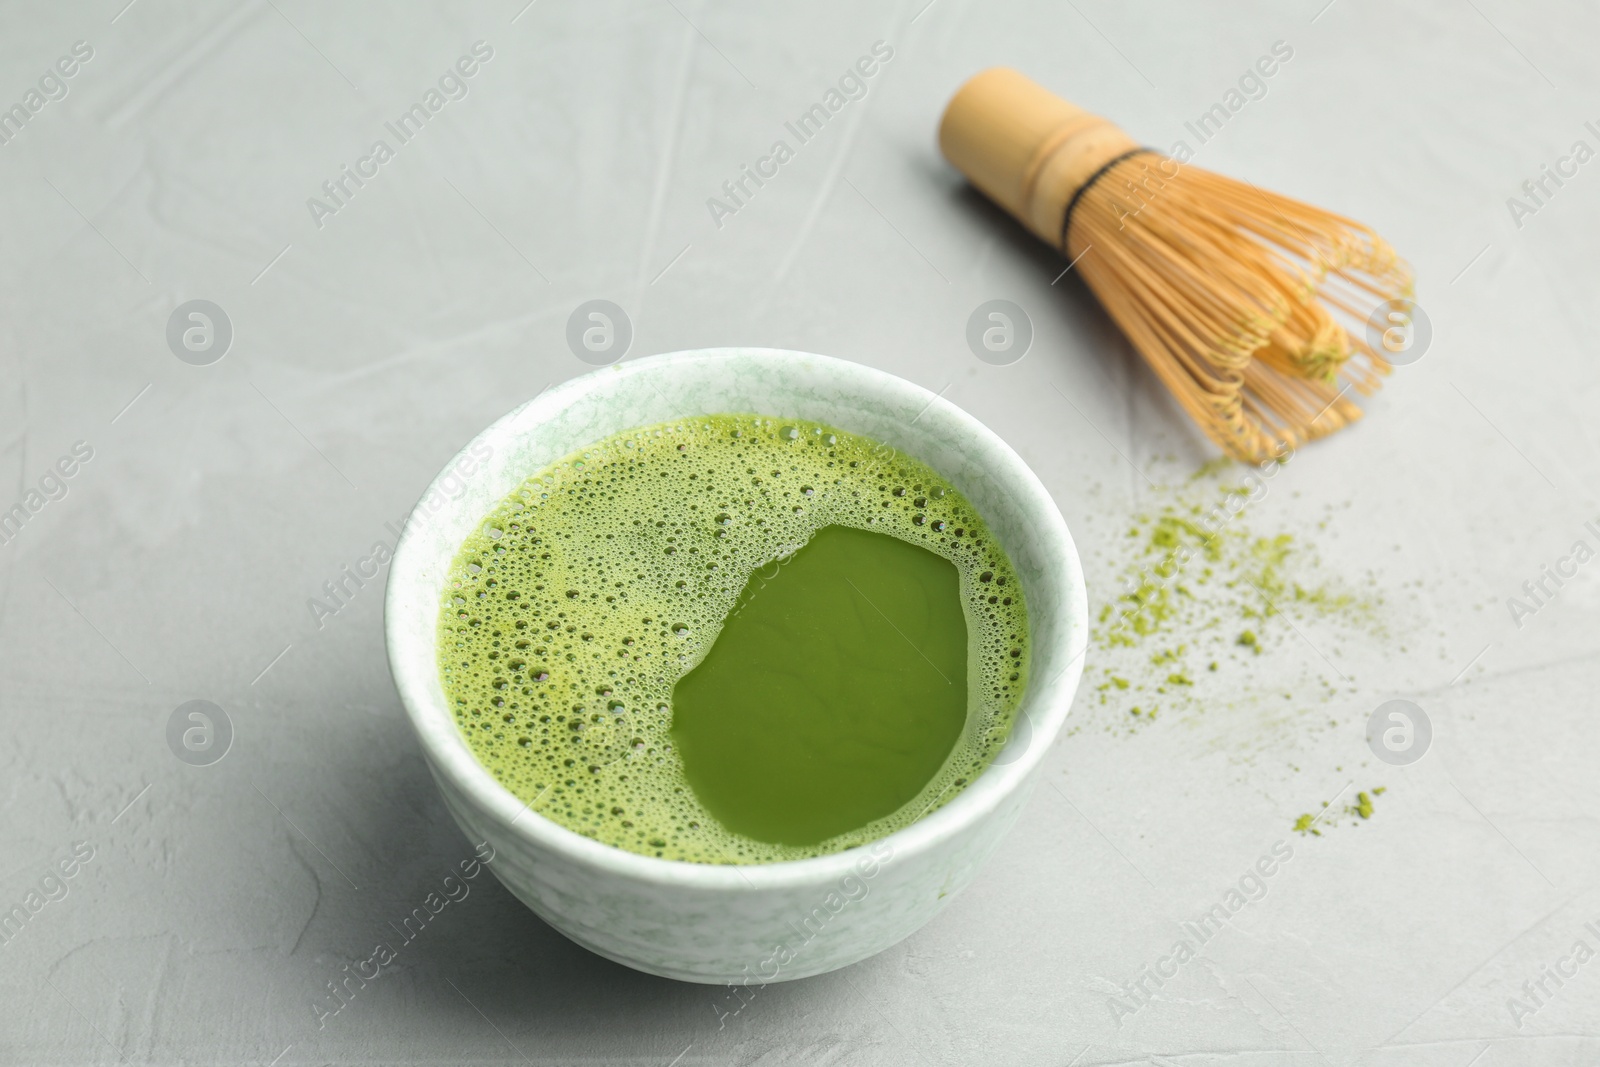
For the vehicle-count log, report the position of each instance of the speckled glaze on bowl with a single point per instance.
(756, 923)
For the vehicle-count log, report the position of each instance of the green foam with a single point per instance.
(605, 580)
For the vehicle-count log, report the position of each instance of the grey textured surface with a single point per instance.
(220, 900)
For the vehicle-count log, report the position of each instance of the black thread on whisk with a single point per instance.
(1066, 219)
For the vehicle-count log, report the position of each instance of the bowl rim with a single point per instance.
(1046, 703)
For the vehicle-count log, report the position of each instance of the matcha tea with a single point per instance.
(734, 639)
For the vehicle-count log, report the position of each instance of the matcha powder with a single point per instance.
(1203, 596)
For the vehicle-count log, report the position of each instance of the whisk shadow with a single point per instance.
(1093, 340)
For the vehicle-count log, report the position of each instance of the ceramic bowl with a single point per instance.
(749, 924)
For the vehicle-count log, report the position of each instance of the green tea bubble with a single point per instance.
(875, 652)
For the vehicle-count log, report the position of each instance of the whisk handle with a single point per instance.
(1027, 149)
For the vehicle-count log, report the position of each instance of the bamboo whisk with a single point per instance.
(1238, 299)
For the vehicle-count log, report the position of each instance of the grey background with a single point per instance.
(220, 899)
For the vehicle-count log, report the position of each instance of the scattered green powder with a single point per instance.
(1201, 590)
(1354, 814)
(1201, 595)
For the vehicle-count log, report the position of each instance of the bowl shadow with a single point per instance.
(486, 956)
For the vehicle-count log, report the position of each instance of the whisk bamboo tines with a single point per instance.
(1249, 306)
